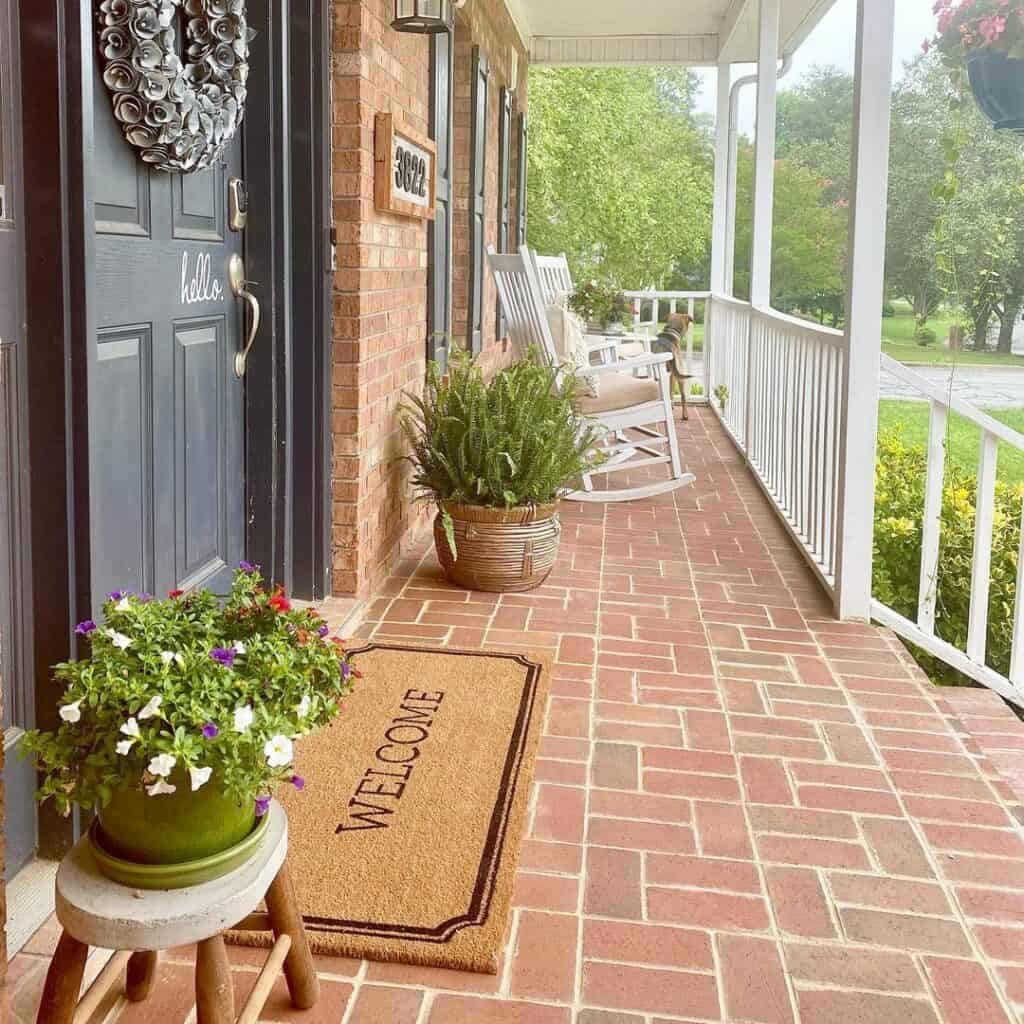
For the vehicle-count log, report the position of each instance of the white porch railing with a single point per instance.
(972, 660)
(647, 309)
(776, 385)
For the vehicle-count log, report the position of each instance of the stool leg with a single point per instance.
(141, 971)
(285, 919)
(63, 982)
(215, 999)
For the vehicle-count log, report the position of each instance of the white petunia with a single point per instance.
(239, 647)
(179, 659)
(71, 712)
(243, 719)
(278, 750)
(124, 605)
(152, 708)
(167, 657)
(162, 764)
(200, 777)
(119, 639)
(124, 747)
(131, 728)
(302, 708)
(159, 787)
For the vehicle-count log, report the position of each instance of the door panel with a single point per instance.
(165, 408)
(122, 454)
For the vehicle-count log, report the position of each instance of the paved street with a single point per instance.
(985, 386)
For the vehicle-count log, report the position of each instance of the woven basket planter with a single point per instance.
(499, 550)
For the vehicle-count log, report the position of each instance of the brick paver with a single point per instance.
(743, 809)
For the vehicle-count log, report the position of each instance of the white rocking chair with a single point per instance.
(639, 406)
(555, 278)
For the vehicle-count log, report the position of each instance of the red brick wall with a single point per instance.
(380, 292)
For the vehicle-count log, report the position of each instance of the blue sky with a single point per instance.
(832, 42)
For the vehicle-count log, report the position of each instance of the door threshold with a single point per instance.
(30, 902)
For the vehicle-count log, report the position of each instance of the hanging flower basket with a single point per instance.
(985, 37)
(997, 81)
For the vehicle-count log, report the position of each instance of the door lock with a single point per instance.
(238, 205)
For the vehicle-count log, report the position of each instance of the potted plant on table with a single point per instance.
(987, 38)
(180, 721)
(602, 306)
(495, 458)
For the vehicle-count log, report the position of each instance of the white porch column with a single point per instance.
(868, 207)
(764, 154)
(719, 221)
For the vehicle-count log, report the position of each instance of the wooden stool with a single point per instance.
(137, 924)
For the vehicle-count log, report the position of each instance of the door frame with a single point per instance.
(288, 524)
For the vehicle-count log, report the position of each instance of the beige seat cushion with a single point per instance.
(632, 350)
(619, 391)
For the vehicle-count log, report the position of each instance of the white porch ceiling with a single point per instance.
(655, 31)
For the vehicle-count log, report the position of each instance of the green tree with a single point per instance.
(620, 172)
(808, 240)
(815, 126)
(920, 120)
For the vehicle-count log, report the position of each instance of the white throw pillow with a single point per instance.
(570, 342)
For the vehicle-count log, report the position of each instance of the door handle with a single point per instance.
(236, 277)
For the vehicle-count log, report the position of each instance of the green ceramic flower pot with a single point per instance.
(174, 828)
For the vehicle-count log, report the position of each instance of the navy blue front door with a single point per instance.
(165, 407)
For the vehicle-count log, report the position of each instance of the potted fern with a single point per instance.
(495, 458)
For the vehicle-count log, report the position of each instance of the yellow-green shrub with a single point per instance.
(899, 509)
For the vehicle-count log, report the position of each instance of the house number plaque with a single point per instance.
(404, 171)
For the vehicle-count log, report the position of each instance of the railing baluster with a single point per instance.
(932, 520)
(1017, 644)
(981, 565)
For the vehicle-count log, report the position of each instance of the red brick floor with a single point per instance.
(743, 810)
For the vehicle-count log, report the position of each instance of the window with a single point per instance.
(478, 200)
(504, 183)
(439, 241)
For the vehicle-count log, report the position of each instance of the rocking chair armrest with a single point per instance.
(597, 343)
(655, 360)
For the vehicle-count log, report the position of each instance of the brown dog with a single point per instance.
(671, 340)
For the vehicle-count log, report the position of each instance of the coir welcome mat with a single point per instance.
(403, 845)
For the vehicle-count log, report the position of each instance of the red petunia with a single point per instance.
(175, 593)
(280, 603)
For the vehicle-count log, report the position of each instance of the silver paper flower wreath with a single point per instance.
(180, 114)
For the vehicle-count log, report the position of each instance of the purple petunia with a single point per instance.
(246, 566)
(262, 805)
(117, 595)
(145, 598)
(85, 628)
(346, 670)
(298, 782)
(223, 656)
(323, 630)
(210, 731)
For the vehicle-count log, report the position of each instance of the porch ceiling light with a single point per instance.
(423, 16)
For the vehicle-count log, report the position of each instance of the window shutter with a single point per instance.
(521, 185)
(478, 201)
(439, 241)
(504, 183)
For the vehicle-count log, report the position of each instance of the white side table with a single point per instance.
(137, 924)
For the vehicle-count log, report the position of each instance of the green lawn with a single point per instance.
(898, 342)
(964, 437)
